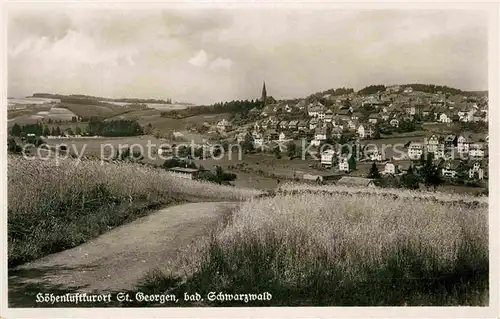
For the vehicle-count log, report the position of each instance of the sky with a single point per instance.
(207, 55)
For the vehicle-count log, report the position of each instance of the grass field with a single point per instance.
(339, 250)
(55, 207)
(86, 111)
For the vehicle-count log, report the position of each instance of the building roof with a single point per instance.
(354, 181)
(183, 170)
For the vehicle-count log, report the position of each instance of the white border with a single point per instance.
(347, 312)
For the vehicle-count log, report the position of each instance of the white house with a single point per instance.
(394, 123)
(258, 141)
(476, 150)
(432, 144)
(223, 125)
(375, 155)
(313, 123)
(444, 118)
(476, 169)
(462, 145)
(415, 150)
(408, 89)
(448, 170)
(390, 168)
(320, 135)
(361, 131)
(344, 164)
(327, 158)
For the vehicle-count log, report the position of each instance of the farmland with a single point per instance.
(340, 250)
(69, 202)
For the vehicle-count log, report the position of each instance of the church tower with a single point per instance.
(264, 94)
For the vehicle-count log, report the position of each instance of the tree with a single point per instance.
(46, 131)
(58, 131)
(16, 130)
(277, 152)
(352, 162)
(430, 173)
(374, 173)
(291, 149)
(12, 146)
(78, 131)
(247, 144)
(409, 179)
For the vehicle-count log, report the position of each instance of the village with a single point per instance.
(410, 123)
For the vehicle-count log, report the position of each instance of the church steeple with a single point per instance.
(264, 94)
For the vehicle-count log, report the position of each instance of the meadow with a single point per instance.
(52, 207)
(337, 250)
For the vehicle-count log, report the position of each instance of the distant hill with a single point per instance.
(89, 99)
(427, 88)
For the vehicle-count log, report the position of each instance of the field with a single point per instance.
(86, 111)
(55, 207)
(343, 250)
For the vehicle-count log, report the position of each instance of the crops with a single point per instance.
(399, 193)
(54, 206)
(338, 250)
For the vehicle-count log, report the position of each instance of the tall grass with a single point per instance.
(54, 206)
(319, 249)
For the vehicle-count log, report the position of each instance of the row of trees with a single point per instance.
(115, 128)
(238, 106)
(42, 130)
(428, 174)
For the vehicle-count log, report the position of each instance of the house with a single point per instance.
(432, 144)
(272, 135)
(394, 122)
(344, 164)
(410, 110)
(374, 156)
(384, 116)
(373, 118)
(320, 135)
(292, 125)
(476, 151)
(393, 89)
(273, 124)
(184, 172)
(444, 118)
(302, 126)
(415, 150)
(223, 125)
(449, 169)
(337, 132)
(408, 89)
(265, 124)
(450, 140)
(313, 123)
(328, 116)
(258, 141)
(462, 144)
(476, 171)
(440, 151)
(361, 131)
(349, 181)
(328, 158)
(356, 115)
(283, 125)
(390, 168)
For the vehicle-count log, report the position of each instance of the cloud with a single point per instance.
(210, 55)
(220, 64)
(200, 59)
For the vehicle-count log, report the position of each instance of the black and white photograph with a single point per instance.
(231, 155)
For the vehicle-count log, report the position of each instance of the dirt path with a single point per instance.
(118, 259)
